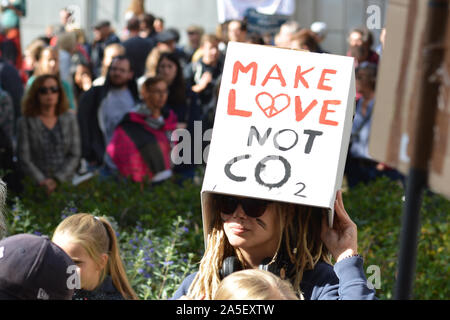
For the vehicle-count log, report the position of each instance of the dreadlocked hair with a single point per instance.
(300, 229)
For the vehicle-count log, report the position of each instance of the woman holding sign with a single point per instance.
(292, 241)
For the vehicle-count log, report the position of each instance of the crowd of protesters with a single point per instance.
(71, 108)
(98, 85)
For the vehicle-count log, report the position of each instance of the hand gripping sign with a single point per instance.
(282, 126)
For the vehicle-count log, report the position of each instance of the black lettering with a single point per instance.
(262, 165)
(231, 163)
(277, 145)
(303, 187)
(255, 133)
(312, 136)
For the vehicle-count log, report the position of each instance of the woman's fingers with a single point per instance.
(341, 213)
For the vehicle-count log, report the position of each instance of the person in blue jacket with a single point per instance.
(292, 241)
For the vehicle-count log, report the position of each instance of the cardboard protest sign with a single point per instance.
(395, 115)
(282, 126)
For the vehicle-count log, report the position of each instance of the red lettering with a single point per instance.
(299, 113)
(325, 111)
(321, 85)
(238, 66)
(232, 111)
(280, 76)
(299, 77)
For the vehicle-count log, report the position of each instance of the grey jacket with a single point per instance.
(29, 136)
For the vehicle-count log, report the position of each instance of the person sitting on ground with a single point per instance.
(101, 110)
(92, 244)
(140, 147)
(254, 284)
(48, 135)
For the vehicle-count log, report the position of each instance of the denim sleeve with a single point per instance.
(352, 280)
(345, 281)
(184, 287)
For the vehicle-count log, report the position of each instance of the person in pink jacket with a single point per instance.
(140, 147)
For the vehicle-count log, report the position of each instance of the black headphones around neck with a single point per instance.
(281, 267)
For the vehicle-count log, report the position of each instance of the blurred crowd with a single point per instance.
(71, 108)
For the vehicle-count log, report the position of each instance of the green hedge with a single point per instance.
(161, 234)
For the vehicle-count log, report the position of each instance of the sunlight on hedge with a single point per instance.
(161, 235)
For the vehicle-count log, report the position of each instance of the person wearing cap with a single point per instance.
(166, 41)
(103, 36)
(2, 206)
(292, 241)
(34, 268)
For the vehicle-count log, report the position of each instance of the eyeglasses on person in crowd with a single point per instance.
(47, 90)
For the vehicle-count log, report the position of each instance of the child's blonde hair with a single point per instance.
(255, 284)
(97, 237)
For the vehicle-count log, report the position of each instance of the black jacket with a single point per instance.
(92, 141)
(106, 291)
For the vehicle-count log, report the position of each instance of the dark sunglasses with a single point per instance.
(46, 90)
(254, 208)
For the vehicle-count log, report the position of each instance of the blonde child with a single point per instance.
(255, 284)
(92, 244)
